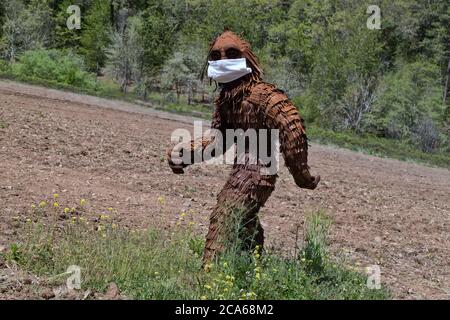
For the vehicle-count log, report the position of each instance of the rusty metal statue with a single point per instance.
(248, 103)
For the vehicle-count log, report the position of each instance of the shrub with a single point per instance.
(4, 66)
(62, 67)
(426, 135)
(308, 108)
(371, 144)
(314, 250)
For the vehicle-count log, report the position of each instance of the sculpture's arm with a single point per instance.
(281, 114)
(195, 147)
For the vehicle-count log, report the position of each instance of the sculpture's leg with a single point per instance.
(234, 218)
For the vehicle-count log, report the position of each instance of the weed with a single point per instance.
(152, 264)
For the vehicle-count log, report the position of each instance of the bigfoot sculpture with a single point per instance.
(247, 103)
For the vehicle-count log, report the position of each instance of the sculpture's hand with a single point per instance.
(175, 159)
(307, 181)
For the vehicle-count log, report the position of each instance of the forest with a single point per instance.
(389, 82)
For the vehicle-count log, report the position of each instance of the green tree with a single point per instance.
(126, 55)
(158, 36)
(95, 37)
(414, 30)
(406, 100)
(119, 62)
(181, 71)
(25, 27)
(342, 61)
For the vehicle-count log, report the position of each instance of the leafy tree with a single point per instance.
(157, 34)
(2, 17)
(181, 71)
(405, 99)
(137, 54)
(126, 55)
(119, 63)
(95, 37)
(344, 63)
(25, 27)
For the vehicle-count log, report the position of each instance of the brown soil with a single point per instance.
(387, 212)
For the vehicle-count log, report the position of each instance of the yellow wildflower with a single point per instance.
(208, 267)
(42, 204)
(161, 200)
(55, 196)
(251, 295)
(66, 210)
(55, 204)
(82, 202)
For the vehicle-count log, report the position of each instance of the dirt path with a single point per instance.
(385, 212)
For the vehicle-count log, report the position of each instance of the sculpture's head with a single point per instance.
(226, 53)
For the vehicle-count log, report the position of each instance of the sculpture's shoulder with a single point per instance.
(266, 95)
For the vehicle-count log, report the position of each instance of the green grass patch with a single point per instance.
(152, 264)
(381, 147)
(102, 89)
(200, 111)
(3, 125)
(166, 101)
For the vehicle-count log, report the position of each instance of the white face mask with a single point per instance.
(227, 70)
